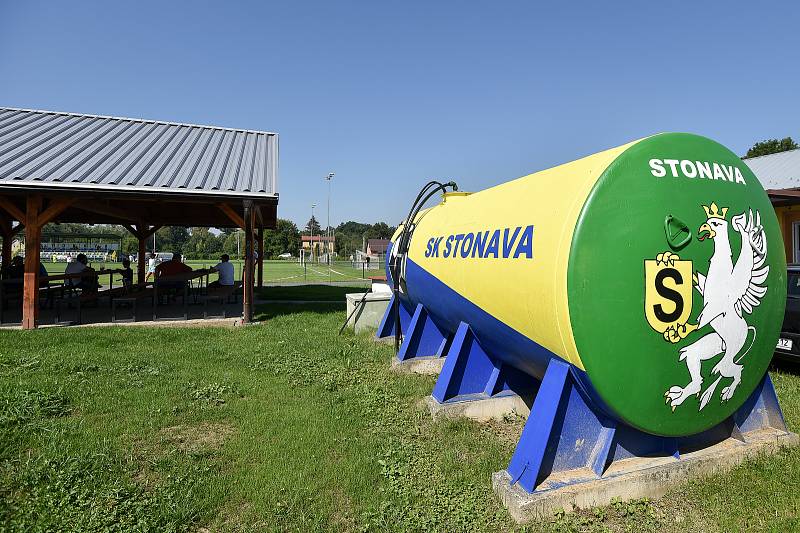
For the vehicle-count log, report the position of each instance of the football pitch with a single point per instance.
(274, 271)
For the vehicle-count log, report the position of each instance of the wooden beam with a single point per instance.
(12, 209)
(233, 215)
(247, 282)
(260, 242)
(6, 253)
(102, 208)
(33, 238)
(148, 232)
(142, 232)
(140, 260)
(133, 231)
(55, 208)
(5, 229)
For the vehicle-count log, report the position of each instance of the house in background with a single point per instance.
(322, 244)
(377, 247)
(779, 174)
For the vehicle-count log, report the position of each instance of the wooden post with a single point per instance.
(8, 236)
(141, 267)
(142, 232)
(33, 238)
(260, 257)
(7, 239)
(247, 284)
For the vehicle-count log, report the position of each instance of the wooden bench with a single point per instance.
(50, 294)
(138, 292)
(86, 297)
(221, 294)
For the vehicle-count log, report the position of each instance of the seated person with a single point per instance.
(170, 268)
(127, 273)
(87, 282)
(42, 274)
(225, 269)
(16, 269)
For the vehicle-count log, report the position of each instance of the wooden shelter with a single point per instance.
(140, 174)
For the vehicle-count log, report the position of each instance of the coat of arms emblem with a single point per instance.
(730, 291)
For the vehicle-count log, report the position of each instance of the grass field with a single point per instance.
(274, 271)
(286, 426)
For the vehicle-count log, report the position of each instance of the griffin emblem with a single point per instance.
(730, 292)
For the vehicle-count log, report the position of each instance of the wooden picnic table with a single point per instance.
(85, 274)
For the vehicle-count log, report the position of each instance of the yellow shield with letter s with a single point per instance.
(668, 292)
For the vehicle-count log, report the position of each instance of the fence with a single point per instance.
(293, 272)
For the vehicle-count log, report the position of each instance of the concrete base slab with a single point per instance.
(632, 478)
(429, 366)
(496, 408)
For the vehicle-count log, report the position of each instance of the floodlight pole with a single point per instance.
(311, 225)
(329, 178)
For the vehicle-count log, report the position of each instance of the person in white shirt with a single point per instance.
(88, 282)
(151, 266)
(75, 267)
(225, 269)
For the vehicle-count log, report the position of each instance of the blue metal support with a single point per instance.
(566, 432)
(386, 329)
(761, 410)
(469, 373)
(423, 338)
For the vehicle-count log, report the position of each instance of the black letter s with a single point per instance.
(669, 294)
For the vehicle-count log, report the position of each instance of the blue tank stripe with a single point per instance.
(498, 339)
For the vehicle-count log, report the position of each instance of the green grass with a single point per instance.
(286, 426)
(274, 271)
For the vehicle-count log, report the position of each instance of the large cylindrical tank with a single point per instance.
(656, 269)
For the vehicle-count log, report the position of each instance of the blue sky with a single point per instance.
(388, 95)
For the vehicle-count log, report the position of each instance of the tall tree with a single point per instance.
(771, 146)
(312, 223)
(202, 244)
(285, 238)
(350, 235)
(233, 243)
(171, 239)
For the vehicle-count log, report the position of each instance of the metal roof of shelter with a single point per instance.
(777, 171)
(54, 150)
(140, 174)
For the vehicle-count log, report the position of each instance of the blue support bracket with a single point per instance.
(469, 373)
(386, 329)
(567, 432)
(423, 338)
(761, 410)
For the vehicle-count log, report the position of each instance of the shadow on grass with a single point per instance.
(268, 311)
(328, 293)
(787, 366)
